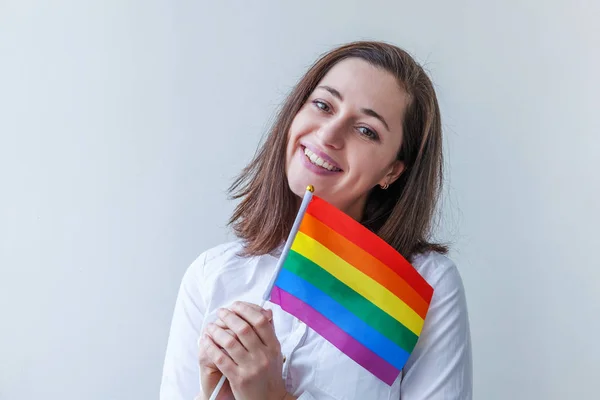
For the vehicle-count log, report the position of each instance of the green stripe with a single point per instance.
(352, 301)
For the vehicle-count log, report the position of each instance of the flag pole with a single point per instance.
(286, 249)
(288, 243)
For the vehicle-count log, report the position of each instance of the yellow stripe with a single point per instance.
(358, 281)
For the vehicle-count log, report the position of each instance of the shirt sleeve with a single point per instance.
(181, 371)
(440, 366)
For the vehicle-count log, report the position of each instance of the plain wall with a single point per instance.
(122, 123)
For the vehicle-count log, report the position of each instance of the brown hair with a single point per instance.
(402, 215)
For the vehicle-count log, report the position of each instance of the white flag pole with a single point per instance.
(286, 249)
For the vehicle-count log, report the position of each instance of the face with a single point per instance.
(345, 139)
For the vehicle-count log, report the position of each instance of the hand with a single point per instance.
(210, 374)
(243, 346)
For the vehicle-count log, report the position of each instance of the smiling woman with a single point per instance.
(363, 126)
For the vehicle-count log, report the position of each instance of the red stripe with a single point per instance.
(370, 242)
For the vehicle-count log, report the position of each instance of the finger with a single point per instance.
(221, 359)
(267, 313)
(228, 342)
(202, 345)
(242, 329)
(203, 357)
(219, 323)
(222, 324)
(255, 316)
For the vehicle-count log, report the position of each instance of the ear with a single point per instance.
(394, 173)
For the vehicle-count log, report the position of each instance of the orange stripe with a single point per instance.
(364, 261)
(370, 242)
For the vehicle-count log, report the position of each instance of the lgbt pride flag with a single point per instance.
(354, 289)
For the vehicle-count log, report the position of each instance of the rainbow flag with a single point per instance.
(354, 289)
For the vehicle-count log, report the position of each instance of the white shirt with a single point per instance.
(440, 366)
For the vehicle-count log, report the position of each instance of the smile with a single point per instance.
(319, 162)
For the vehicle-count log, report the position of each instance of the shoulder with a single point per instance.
(197, 277)
(441, 362)
(439, 271)
(447, 320)
(449, 299)
(216, 258)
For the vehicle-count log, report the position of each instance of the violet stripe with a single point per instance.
(340, 339)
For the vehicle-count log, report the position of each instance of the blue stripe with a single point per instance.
(340, 316)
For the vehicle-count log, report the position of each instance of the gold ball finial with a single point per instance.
(310, 188)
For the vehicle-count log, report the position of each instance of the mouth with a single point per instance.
(320, 162)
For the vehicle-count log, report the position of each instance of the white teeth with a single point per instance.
(318, 160)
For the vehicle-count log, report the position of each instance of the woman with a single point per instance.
(362, 126)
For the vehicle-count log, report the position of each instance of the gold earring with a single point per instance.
(385, 186)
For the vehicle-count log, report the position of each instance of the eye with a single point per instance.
(321, 105)
(368, 133)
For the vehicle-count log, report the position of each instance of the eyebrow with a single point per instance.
(372, 113)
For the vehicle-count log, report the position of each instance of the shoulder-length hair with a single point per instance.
(401, 215)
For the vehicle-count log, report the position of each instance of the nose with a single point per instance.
(333, 134)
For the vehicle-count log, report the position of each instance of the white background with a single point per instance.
(122, 123)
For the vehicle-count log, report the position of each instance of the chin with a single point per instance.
(297, 186)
